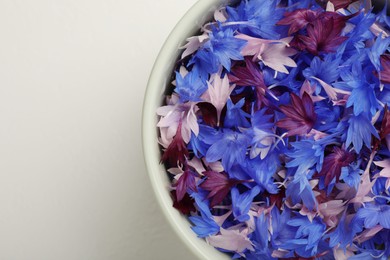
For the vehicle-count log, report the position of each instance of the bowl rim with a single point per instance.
(189, 24)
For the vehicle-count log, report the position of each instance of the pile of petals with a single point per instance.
(275, 131)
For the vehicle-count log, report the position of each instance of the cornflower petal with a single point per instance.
(218, 92)
(231, 240)
(300, 116)
(186, 181)
(218, 184)
(298, 19)
(242, 202)
(273, 53)
(360, 131)
(334, 162)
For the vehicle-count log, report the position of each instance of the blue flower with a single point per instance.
(359, 131)
(308, 235)
(378, 247)
(326, 70)
(235, 116)
(363, 99)
(240, 172)
(260, 16)
(379, 188)
(361, 31)
(290, 80)
(230, 148)
(261, 232)
(262, 121)
(379, 47)
(221, 48)
(190, 87)
(299, 190)
(306, 154)
(343, 235)
(206, 62)
(242, 202)
(351, 175)
(262, 134)
(263, 170)
(362, 84)
(201, 143)
(382, 16)
(260, 240)
(300, 4)
(204, 225)
(327, 116)
(351, 72)
(282, 232)
(384, 96)
(373, 215)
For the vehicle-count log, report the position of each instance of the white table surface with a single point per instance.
(73, 184)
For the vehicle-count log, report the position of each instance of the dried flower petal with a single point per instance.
(300, 115)
(218, 184)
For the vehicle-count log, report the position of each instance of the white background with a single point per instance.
(73, 184)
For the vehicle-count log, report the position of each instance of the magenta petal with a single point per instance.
(334, 162)
(298, 19)
(185, 206)
(219, 185)
(308, 105)
(176, 151)
(341, 3)
(186, 181)
(249, 75)
(300, 115)
(385, 73)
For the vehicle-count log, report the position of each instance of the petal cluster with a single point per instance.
(275, 131)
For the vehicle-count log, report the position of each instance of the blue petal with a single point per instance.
(242, 202)
(235, 116)
(359, 131)
(204, 225)
(384, 219)
(191, 87)
(299, 189)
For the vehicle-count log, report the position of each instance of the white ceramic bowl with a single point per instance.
(188, 26)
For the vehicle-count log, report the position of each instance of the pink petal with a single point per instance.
(280, 253)
(339, 254)
(165, 139)
(276, 56)
(231, 240)
(309, 89)
(197, 165)
(385, 164)
(220, 14)
(214, 166)
(221, 219)
(378, 29)
(193, 44)
(331, 208)
(218, 92)
(254, 46)
(330, 7)
(363, 190)
(331, 91)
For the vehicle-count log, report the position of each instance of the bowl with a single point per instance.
(160, 77)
